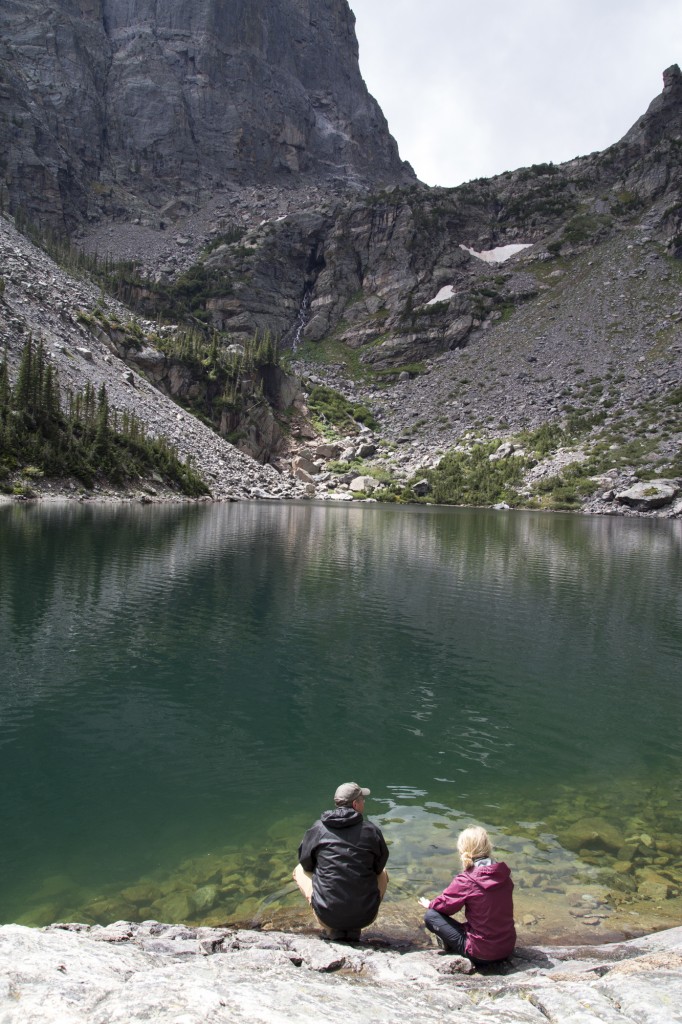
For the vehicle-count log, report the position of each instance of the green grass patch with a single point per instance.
(544, 440)
(388, 373)
(330, 408)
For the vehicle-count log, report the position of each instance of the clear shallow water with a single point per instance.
(183, 688)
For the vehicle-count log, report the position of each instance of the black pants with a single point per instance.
(452, 933)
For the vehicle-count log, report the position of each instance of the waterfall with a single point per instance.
(295, 332)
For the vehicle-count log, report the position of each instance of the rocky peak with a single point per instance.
(672, 78)
(114, 107)
(664, 114)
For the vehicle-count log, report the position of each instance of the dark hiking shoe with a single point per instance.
(338, 936)
(443, 950)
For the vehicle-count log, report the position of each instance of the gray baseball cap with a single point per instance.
(348, 792)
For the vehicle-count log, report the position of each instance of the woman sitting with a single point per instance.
(484, 889)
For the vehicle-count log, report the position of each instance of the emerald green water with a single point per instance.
(183, 688)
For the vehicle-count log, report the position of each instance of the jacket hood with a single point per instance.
(488, 876)
(341, 817)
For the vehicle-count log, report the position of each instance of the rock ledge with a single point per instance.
(154, 972)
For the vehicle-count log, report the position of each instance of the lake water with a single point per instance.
(183, 688)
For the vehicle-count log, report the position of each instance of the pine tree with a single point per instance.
(50, 404)
(39, 365)
(24, 386)
(102, 433)
(5, 390)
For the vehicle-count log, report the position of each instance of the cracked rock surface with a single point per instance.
(162, 973)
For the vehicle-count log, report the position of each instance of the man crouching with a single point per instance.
(341, 870)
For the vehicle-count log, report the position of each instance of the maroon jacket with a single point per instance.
(486, 894)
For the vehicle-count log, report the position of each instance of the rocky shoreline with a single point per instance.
(72, 973)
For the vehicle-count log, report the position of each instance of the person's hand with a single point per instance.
(423, 902)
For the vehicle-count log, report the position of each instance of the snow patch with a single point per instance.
(498, 255)
(443, 295)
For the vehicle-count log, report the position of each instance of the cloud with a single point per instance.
(470, 91)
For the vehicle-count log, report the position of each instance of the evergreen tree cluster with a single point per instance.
(233, 374)
(82, 437)
(212, 351)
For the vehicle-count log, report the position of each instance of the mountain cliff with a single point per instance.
(228, 163)
(370, 267)
(115, 108)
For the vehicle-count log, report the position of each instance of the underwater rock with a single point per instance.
(230, 880)
(141, 894)
(176, 906)
(201, 870)
(628, 852)
(55, 885)
(110, 909)
(653, 886)
(247, 910)
(654, 891)
(204, 898)
(592, 834)
(622, 867)
(40, 915)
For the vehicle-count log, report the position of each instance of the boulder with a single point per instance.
(365, 484)
(328, 451)
(299, 463)
(506, 449)
(649, 494)
(149, 358)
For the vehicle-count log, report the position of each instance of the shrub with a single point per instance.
(331, 407)
(470, 478)
(544, 440)
(342, 466)
(585, 226)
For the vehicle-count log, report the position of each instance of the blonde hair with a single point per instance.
(472, 844)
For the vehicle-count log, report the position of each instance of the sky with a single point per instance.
(472, 88)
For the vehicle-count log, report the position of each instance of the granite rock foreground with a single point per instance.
(162, 973)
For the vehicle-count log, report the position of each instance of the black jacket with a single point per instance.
(345, 854)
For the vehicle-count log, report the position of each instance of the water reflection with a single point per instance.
(178, 679)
